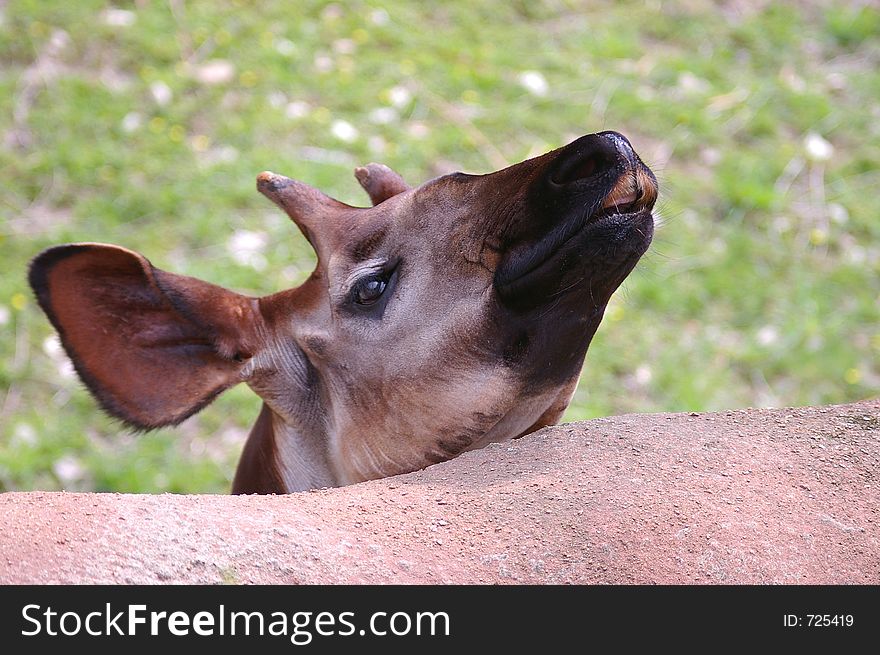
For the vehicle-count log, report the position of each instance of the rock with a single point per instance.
(628, 499)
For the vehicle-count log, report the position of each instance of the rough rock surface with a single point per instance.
(750, 496)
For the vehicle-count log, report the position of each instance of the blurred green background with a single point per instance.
(145, 123)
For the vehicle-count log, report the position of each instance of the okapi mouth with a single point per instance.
(635, 191)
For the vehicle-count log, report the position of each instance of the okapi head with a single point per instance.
(438, 320)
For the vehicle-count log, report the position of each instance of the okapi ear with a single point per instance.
(152, 347)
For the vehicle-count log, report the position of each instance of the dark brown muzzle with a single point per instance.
(587, 215)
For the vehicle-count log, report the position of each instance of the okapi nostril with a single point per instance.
(584, 170)
(588, 167)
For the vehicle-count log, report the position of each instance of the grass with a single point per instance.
(146, 127)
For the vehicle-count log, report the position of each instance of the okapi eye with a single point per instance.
(369, 289)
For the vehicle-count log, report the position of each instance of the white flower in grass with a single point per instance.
(68, 469)
(534, 82)
(277, 99)
(215, 71)
(24, 434)
(767, 335)
(332, 12)
(383, 115)
(285, 47)
(219, 155)
(418, 130)
(379, 17)
(118, 17)
(781, 224)
(399, 96)
(52, 347)
(161, 93)
(818, 149)
(132, 122)
(246, 248)
(296, 109)
(4, 314)
(344, 46)
(857, 255)
(323, 63)
(55, 351)
(344, 131)
(838, 213)
(691, 84)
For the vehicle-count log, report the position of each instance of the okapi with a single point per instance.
(440, 319)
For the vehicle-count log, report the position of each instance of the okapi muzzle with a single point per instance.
(440, 319)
